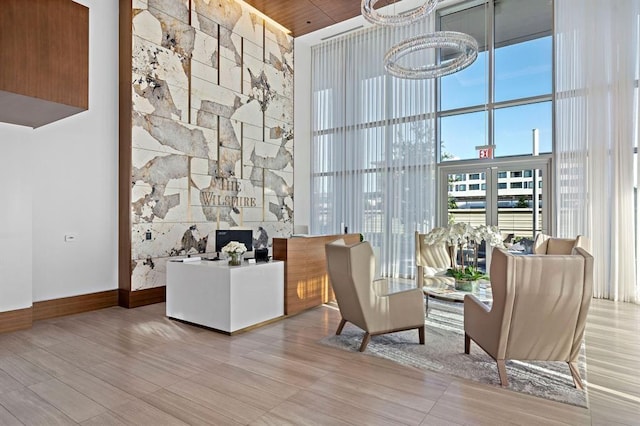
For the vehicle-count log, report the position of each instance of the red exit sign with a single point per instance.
(485, 152)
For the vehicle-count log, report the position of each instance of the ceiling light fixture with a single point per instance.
(371, 15)
(465, 45)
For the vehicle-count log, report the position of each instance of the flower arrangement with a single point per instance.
(459, 235)
(234, 247)
(234, 250)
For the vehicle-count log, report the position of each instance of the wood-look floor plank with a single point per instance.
(187, 410)
(30, 409)
(217, 401)
(97, 389)
(8, 383)
(137, 413)
(23, 371)
(127, 382)
(279, 375)
(51, 363)
(105, 419)
(66, 399)
(292, 414)
(8, 419)
(344, 410)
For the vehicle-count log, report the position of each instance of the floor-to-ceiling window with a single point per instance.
(373, 149)
(495, 120)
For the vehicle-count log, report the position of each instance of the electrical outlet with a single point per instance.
(147, 235)
(70, 238)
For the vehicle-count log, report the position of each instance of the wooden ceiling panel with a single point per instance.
(305, 16)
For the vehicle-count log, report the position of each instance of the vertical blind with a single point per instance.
(597, 59)
(373, 147)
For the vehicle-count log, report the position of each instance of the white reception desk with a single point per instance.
(225, 298)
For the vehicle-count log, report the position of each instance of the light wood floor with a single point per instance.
(136, 367)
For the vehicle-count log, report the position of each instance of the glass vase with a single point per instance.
(234, 259)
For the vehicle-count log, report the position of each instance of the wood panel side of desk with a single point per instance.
(306, 280)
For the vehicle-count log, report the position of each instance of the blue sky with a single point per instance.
(522, 70)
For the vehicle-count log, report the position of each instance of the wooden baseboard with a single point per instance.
(74, 304)
(148, 296)
(15, 320)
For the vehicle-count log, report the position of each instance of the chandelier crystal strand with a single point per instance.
(371, 15)
(464, 44)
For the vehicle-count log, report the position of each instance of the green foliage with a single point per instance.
(522, 202)
(466, 274)
(361, 238)
(452, 203)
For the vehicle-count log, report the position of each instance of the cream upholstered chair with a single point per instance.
(432, 263)
(539, 310)
(365, 302)
(546, 244)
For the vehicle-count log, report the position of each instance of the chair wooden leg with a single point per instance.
(502, 372)
(421, 334)
(365, 342)
(467, 343)
(575, 374)
(341, 326)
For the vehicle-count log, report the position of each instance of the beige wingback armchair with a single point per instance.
(365, 302)
(540, 305)
(432, 262)
(546, 244)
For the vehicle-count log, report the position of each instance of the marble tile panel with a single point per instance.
(279, 134)
(204, 24)
(188, 139)
(230, 46)
(199, 166)
(277, 210)
(202, 90)
(249, 26)
(229, 132)
(280, 108)
(251, 131)
(248, 146)
(272, 157)
(161, 204)
(171, 239)
(149, 273)
(147, 26)
(280, 81)
(204, 72)
(249, 112)
(230, 75)
(157, 97)
(141, 157)
(246, 215)
(156, 62)
(224, 102)
(179, 9)
(139, 4)
(274, 229)
(277, 42)
(253, 49)
(228, 160)
(252, 70)
(224, 12)
(278, 183)
(205, 49)
(177, 35)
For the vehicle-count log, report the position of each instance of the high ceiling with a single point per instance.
(305, 16)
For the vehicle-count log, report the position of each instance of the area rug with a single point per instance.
(443, 352)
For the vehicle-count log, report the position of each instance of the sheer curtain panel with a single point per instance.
(373, 151)
(597, 55)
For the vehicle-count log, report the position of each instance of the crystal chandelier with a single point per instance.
(465, 45)
(371, 15)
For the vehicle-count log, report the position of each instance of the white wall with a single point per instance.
(61, 179)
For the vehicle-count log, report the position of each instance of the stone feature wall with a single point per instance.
(212, 134)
